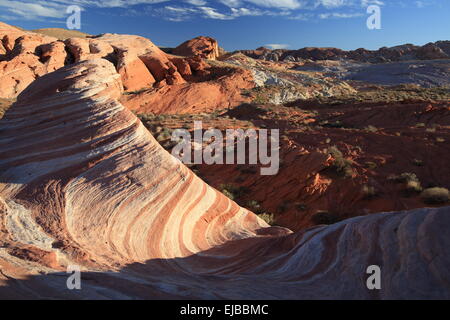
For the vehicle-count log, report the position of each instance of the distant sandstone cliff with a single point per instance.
(430, 51)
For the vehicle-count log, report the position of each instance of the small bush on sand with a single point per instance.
(403, 178)
(410, 180)
(342, 166)
(435, 195)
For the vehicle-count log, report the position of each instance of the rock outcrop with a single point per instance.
(155, 81)
(204, 47)
(82, 182)
(430, 51)
(19, 63)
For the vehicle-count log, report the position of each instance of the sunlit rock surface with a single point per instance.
(82, 182)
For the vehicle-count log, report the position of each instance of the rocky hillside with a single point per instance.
(430, 51)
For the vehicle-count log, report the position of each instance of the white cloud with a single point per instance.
(196, 2)
(212, 13)
(181, 10)
(339, 15)
(40, 9)
(33, 10)
(275, 46)
(301, 16)
(281, 4)
(277, 4)
(366, 3)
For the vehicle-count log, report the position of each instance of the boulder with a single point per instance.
(204, 47)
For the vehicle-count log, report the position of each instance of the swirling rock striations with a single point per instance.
(82, 182)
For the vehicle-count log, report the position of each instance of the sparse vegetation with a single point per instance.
(341, 165)
(404, 177)
(232, 191)
(60, 33)
(435, 195)
(371, 128)
(269, 218)
(369, 191)
(254, 206)
(410, 180)
(371, 165)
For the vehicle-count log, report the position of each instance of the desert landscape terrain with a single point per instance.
(87, 177)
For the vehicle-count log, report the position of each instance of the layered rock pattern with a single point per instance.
(83, 182)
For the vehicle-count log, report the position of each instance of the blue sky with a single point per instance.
(247, 24)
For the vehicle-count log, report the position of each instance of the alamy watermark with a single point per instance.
(374, 20)
(73, 21)
(373, 282)
(238, 147)
(73, 282)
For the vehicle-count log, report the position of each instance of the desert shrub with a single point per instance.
(337, 124)
(342, 166)
(269, 218)
(324, 217)
(371, 165)
(412, 183)
(232, 191)
(435, 195)
(404, 177)
(164, 135)
(254, 206)
(371, 128)
(413, 186)
(369, 191)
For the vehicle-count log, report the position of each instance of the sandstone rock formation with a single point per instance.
(280, 82)
(204, 47)
(213, 91)
(163, 82)
(19, 64)
(96, 190)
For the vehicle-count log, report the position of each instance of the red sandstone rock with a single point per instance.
(204, 47)
(134, 73)
(53, 55)
(182, 65)
(21, 63)
(225, 91)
